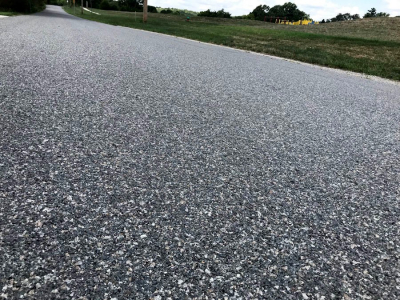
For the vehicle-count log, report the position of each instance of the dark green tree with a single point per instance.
(215, 14)
(260, 12)
(345, 17)
(288, 10)
(382, 14)
(166, 11)
(291, 12)
(105, 5)
(130, 5)
(371, 13)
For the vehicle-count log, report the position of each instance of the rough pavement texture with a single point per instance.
(135, 165)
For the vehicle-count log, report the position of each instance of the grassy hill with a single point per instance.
(370, 46)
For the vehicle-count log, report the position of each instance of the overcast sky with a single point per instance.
(318, 9)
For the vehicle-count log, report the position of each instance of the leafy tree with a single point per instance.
(345, 17)
(291, 12)
(215, 14)
(166, 11)
(130, 5)
(288, 10)
(382, 14)
(371, 13)
(260, 12)
(92, 3)
(105, 5)
(276, 11)
(323, 21)
(152, 9)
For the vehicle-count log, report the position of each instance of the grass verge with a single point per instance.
(373, 53)
(8, 13)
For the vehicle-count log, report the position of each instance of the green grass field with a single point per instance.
(370, 46)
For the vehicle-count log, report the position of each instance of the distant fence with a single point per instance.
(283, 21)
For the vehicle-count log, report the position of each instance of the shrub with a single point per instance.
(105, 5)
(152, 9)
(166, 11)
(215, 14)
(245, 17)
(113, 6)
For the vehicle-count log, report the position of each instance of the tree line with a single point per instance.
(288, 10)
(123, 5)
(24, 6)
(215, 14)
(30, 6)
(371, 13)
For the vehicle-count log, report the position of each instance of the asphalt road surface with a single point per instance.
(135, 165)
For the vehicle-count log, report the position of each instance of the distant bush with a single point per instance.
(245, 17)
(152, 9)
(114, 6)
(372, 13)
(129, 5)
(166, 11)
(107, 5)
(215, 14)
(343, 17)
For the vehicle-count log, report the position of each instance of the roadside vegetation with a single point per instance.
(370, 46)
(12, 7)
(8, 13)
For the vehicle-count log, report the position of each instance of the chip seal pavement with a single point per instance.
(135, 165)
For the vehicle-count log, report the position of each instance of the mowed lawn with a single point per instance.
(370, 46)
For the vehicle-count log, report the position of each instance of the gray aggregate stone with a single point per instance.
(135, 165)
